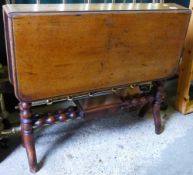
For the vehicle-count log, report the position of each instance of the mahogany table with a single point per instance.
(74, 51)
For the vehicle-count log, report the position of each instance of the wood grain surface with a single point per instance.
(63, 54)
(184, 103)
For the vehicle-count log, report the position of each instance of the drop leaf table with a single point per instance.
(74, 51)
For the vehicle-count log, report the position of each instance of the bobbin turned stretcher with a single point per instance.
(76, 51)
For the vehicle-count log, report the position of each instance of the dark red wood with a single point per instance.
(27, 134)
(144, 109)
(159, 95)
(145, 101)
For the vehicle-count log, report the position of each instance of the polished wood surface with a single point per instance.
(27, 134)
(108, 7)
(61, 54)
(184, 103)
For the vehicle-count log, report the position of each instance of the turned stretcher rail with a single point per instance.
(74, 112)
(29, 120)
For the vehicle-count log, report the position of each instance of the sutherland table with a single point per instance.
(69, 51)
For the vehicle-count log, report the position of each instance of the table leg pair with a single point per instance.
(28, 120)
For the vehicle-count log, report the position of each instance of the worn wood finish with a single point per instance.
(159, 96)
(73, 52)
(27, 134)
(28, 121)
(183, 102)
(75, 49)
(95, 7)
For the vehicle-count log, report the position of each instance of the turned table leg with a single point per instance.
(22, 141)
(27, 134)
(159, 89)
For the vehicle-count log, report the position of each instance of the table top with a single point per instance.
(34, 8)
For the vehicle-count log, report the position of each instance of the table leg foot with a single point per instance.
(158, 95)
